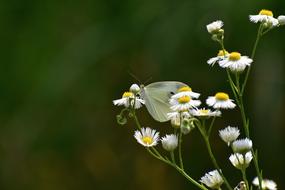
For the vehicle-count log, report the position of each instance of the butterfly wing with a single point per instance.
(156, 96)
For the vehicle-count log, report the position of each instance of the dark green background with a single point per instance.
(63, 62)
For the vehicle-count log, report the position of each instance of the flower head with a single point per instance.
(183, 103)
(235, 62)
(221, 100)
(281, 20)
(169, 142)
(229, 134)
(147, 137)
(212, 179)
(221, 56)
(241, 161)
(242, 145)
(185, 91)
(205, 113)
(135, 88)
(214, 27)
(265, 17)
(175, 117)
(265, 184)
(128, 99)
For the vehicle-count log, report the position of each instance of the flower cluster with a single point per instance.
(176, 102)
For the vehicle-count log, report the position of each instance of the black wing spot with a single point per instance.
(170, 94)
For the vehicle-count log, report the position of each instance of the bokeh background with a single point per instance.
(63, 62)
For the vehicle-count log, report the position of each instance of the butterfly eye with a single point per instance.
(172, 93)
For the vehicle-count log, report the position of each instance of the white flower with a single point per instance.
(183, 103)
(128, 99)
(281, 20)
(241, 161)
(175, 117)
(265, 17)
(242, 145)
(214, 27)
(265, 184)
(221, 100)
(221, 56)
(135, 88)
(185, 91)
(205, 113)
(235, 62)
(147, 137)
(229, 134)
(169, 142)
(212, 179)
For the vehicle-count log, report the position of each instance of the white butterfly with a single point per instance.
(156, 96)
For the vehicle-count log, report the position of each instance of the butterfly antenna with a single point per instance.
(149, 79)
(134, 76)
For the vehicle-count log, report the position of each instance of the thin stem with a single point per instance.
(259, 34)
(180, 151)
(172, 157)
(245, 178)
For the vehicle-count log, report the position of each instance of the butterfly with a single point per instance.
(156, 96)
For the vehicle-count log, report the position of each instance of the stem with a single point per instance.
(259, 34)
(180, 151)
(172, 157)
(244, 178)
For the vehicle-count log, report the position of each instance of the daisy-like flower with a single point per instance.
(265, 184)
(147, 137)
(205, 113)
(242, 145)
(212, 179)
(214, 27)
(229, 134)
(169, 142)
(221, 56)
(265, 17)
(241, 161)
(185, 91)
(128, 99)
(235, 62)
(281, 20)
(183, 103)
(221, 100)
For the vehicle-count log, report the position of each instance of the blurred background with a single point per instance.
(63, 62)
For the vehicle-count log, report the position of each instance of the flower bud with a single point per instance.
(281, 20)
(134, 88)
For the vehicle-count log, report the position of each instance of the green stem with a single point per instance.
(245, 178)
(172, 157)
(180, 151)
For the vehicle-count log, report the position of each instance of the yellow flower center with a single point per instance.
(127, 94)
(223, 53)
(184, 89)
(265, 12)
(234, 56)
(204, 112)
(184, 99)
(221, 96)
(147, 140)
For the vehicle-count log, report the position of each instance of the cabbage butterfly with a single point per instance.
(156, 96)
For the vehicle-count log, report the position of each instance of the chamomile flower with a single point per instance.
(128, 99)
(242, 145)
(265, 184)
(205, 113)
(212, 179)
(214, 27)
(241, 161)
(281, 20)
(235, 62)
(147, 137)
(229, 134)
(169, 142)
(183, 103)
(221, 56)
(265, 17)
(185, 91)
(221, 100)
